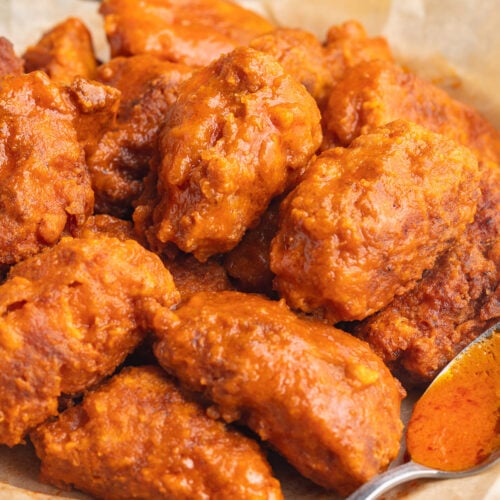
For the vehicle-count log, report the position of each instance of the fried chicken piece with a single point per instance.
(45, 186)
(10, 63)
(320, 396)
(421, 331)
(248, 263)
(239, 132)
(375, 93)
(63, 52)
(191, 276)
(120, 160)
(69, 317)
(194, 32)
(301, 54)
(139, 436)
(368, 220)
(348, 44)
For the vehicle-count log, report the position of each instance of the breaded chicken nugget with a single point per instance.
(63, 52)
(419, 332)
(321, 397)
(69, 317)
(45, 186)
(194, 32)
(375, 93)
(139, 436)
(240, 131)
(367, 221)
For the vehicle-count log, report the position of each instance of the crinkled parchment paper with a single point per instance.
(455, 43)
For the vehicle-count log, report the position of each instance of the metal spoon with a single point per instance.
(412, 470)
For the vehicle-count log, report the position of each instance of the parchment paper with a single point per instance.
(455, 43)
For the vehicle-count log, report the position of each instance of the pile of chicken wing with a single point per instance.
(229, 238)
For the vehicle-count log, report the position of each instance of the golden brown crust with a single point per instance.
(248, 263)
(120, 160)
(348, 44)
(375, 93)
(64, 52)
(317, 394)
(368, 220)
(108, 226)
(138, 436)
(194, 32)
(302, 56)
(239, 130)
(45, 187)
(421, 331)
(70, 315)
(191, 276)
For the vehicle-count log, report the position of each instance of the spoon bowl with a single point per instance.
(478, 359)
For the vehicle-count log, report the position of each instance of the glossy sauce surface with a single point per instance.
(455, 425)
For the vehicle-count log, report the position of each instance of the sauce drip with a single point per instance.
(456, 423)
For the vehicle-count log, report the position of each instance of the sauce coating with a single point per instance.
(455, 425)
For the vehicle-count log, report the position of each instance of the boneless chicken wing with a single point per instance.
(69, 317)
(320, 396)
(45, 186)
(139, 436)
(194, 32)
(367, 221)
(375, 93)
(239, 132)
(419, 332)
(423, 329)
(63, 52)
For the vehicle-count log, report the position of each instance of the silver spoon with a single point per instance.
(412, 470)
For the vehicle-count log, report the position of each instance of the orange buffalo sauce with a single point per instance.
(456, 423)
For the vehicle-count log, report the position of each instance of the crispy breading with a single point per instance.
(318, 395)
(368, 220)
(194, 32)
(63, 52)
(45, 186)
(374, 93)
(120, 160)
(69, 317)
(239, 132)
(139, 436)
(422, 330)
(248, 263)
(348, 44)
(302, 56)
(191, 276)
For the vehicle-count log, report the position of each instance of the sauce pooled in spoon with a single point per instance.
(467, 396)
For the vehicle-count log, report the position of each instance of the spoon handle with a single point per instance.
(391, 478)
